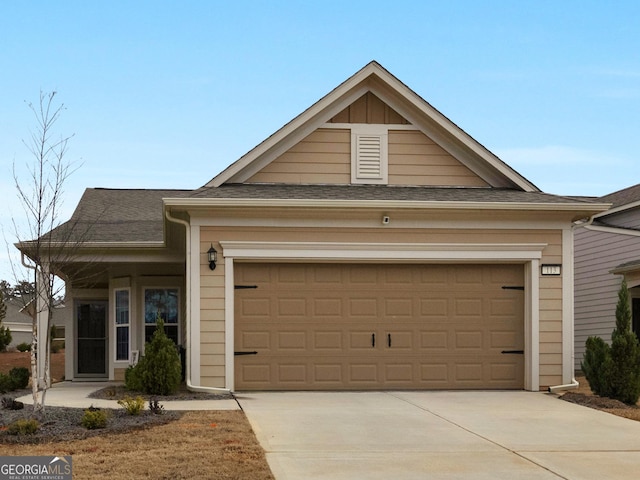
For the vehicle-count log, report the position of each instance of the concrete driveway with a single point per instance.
(439, 435)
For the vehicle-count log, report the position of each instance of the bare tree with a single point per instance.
(46, 245)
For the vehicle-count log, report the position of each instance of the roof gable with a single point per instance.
(401, 106)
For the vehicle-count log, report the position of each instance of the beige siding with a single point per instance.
(322, 157)
(212, 338)
(212, 285)
(325, 157)
(369, 109)
(414, 159)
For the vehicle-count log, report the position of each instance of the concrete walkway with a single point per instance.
(75, 395)
(440, 435)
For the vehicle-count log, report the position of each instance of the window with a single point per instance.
(122, 324)
(161, 303)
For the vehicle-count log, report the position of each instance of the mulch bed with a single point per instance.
(63, 424)
(594, 401)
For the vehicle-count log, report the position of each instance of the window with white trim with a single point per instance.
(369, 154)
(122, 324)
(161, 303)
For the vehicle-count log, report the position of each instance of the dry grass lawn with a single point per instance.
(200, 445)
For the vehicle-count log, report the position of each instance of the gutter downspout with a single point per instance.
(574, 383)
(190, 386)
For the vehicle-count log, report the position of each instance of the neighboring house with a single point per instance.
(369, 243)
(606, 249)
(19, 320)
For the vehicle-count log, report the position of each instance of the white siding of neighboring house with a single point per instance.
(596, 289)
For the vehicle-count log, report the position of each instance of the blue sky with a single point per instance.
(165, 94)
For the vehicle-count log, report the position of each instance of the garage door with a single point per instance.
(352, 327)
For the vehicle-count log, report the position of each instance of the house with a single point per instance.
(19, 321)
(607, 248)
(369, 243)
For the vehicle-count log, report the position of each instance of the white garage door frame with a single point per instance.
(309, 252)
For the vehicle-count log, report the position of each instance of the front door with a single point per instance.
(91, 346)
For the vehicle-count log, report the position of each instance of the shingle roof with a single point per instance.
(114, 215)
(622, 197)
(378, 192)
(117, 215)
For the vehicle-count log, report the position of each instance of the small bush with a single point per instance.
(6, 385)
(159, 371)
(11, 404)
(94, 418)
(19, 377)
(5, 337)
(132, 380)
(133, 406)
(596, 366)
(23, 427)
(24, 347)
(155, 407)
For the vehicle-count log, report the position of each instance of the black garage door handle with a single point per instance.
(514, 352)
(245, 353)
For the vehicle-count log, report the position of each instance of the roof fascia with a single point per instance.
(195, 203)
(321, 111)
(451, 137)
(621, 208)
(615, 230)
(373, 77)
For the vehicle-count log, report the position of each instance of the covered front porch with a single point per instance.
(109, 320)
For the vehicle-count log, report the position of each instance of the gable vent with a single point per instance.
(369, 158)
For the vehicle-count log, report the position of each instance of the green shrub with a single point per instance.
(94, 418)
(6, 385)
(132, 380)
(5, 337)
(614, 371)
(159, 371)
(19, 377)
(23, 427)
(24, 347)
(596, 366)
(133, 406)
(5, 334)
(625, 353)
(57, 345)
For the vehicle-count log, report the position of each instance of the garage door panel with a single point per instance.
(362, 340)
(291, 341)
(364, 374)
(434, 307)
(328, 308)
(329, 341)
(313, 326)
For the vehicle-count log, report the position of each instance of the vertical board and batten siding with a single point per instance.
(596, 289)
(324, 157)
(212, 315)
(369, 109)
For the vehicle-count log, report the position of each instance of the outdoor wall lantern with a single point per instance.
(213, 257)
